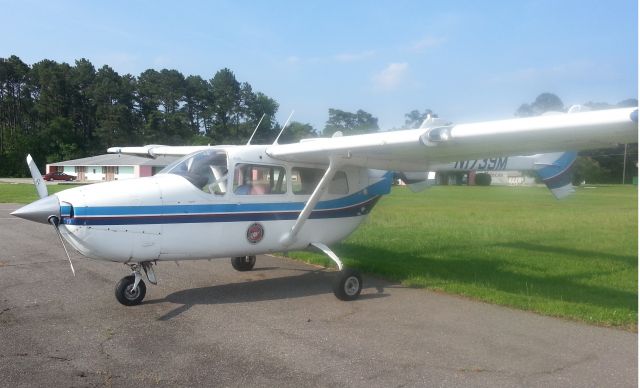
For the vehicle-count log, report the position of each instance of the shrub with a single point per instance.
(483, 179)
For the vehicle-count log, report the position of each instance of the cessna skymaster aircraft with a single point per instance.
(241, 201)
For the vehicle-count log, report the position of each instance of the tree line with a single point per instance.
(57, 111)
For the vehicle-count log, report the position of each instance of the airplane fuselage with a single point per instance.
(239, 202)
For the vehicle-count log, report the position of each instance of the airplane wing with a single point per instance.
(154, 150)
(416, 149)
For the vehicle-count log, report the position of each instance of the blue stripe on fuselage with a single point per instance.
(353, 205)
(358, 209)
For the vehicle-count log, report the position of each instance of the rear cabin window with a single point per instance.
(256, 179)
(304, 180)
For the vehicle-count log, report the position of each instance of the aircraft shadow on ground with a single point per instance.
(309, 283)
(497, 272)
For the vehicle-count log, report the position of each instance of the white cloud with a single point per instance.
(293, 60)
(352, 57)
(391, 77)
(426, 42)
(340, 58)
(572, 70)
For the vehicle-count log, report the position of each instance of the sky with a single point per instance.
(465, 60)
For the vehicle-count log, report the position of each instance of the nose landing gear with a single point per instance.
(131, 290)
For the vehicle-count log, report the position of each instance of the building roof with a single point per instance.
(118, 160)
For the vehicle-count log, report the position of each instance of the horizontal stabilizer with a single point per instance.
(418, 181)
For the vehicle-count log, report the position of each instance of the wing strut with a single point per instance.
(290, 237)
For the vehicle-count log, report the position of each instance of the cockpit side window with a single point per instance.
(257, 179)
(207, 170)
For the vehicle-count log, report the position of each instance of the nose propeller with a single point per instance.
(55, 221)
(46, 210)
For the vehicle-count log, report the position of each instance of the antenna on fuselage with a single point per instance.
(256, 130)
(283, 127)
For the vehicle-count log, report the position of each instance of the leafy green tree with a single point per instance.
(226, 104)
(56, 111)
(414, 118)
(588, 170)
(545, 102)
(297, 131)
(262, 104)
(350, 123)
(117, 122)
(198, 95)
(16, 103)
(628, 103)
(83, 108)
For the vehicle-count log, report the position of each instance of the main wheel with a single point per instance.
(126, 294)
(348, 285)
(243, 263)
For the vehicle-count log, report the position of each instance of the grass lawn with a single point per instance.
(518, 247)
(26, 193)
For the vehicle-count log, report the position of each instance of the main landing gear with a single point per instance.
(130, 290)
(348, 284)
(243, 263)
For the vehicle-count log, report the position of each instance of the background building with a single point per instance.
(109, 167)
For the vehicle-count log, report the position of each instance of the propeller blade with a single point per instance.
(55, 221)
(41, 187)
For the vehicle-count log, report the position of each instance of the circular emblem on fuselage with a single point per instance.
(255, 233)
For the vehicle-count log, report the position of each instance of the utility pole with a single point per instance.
(624, 163)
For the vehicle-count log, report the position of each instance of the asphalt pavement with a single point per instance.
(205, 324)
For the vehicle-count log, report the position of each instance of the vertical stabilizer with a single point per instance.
(556, 172)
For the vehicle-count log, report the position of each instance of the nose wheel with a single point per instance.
(128, 292)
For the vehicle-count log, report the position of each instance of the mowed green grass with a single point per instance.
(25, 193)
(518, 247)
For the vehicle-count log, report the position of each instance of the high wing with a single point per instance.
(416, 149)
(154, 150)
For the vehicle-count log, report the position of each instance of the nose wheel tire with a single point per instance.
(348, 285)
(243, 263)
(126, 294)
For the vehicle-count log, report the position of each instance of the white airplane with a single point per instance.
(242, 201)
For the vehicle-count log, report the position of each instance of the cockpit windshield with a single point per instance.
(207, 170)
